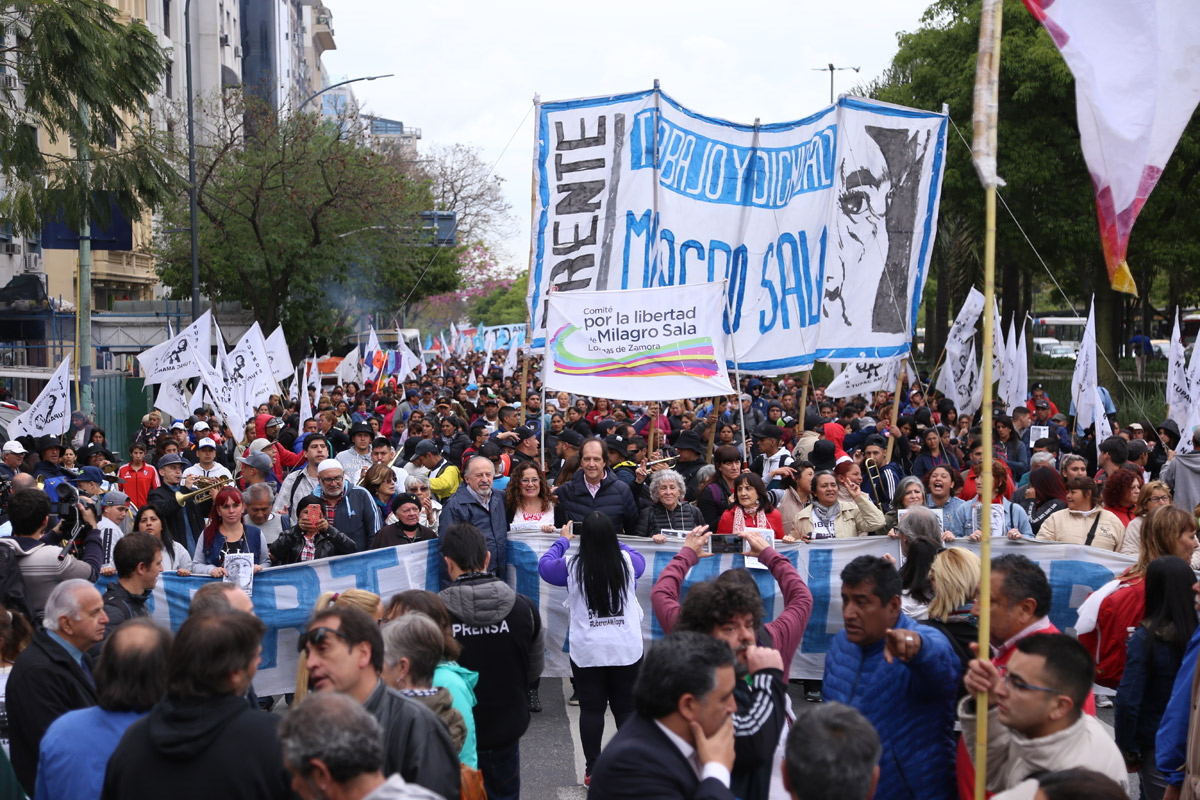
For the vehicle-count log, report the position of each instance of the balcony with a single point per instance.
(323, 34)
(123, 267)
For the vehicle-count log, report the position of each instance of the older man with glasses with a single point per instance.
(350, 509)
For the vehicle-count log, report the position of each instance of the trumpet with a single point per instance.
(670, 461)
(209, 484)
(110, 469)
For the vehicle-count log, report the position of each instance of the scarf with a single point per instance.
(826, 516)
(739, 519)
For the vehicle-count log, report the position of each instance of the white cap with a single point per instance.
(179, 426)
(14, 447)
(200, 426)
(206, 442)
(328, 464)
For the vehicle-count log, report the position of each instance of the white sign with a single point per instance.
(665, 343)
(171, 360)
(50, 414)
(277, 354)
(864, 377)
(1038, 432)
(823, 227)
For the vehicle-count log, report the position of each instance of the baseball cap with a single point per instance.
(14, 447)
(1041, 402)
(259, 461)
(617, 443)
(426, 447)
(200, 426)
(767, 430)
(258, 445)
(273, 422)
(206, 442)
(524, 432)
(1060, 418)
(115, 498)
(169, 459)
(573, 438)
(92, 474)
(179, 426)
(1135, 426)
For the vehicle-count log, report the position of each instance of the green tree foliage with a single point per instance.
(504, 306)
(305, 226)
(68, 53)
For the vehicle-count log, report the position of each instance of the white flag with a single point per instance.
(222, 353)
(305, 406)
(350, 368)
(171, 360)
(1022, 370)
(173, 398)
(445, 353)
(510, 361)
(278, 355)
(963, 328)
(1012, 392)
(863, 378)
(248, 365)
(1179, 388)
(997, 342)
(1085, 379)
(50, 413)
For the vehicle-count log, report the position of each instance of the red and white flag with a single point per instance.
(1137, 81)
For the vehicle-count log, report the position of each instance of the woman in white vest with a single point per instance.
(606, 623)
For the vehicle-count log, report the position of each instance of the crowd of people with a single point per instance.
(429, 694)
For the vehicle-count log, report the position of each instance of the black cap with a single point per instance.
(573, 438)
(813, 421)
(1041, 402)
(616, 443)
(425, 447)
(823, 455)
(361, 427)
(689, 440)
(875, 440)
(767, 430)
(524, 432)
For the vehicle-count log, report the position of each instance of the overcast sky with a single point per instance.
(467, 72)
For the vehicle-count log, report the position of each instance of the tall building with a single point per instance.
(283, 41)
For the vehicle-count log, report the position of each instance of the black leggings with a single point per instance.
(596, 688)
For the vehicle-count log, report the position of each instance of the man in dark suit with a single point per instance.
(679, 744)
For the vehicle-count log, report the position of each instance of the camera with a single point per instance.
(720, 543)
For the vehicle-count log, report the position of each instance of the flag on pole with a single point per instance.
(1136, 86)
(173, 398)
(864, 377)
(960, 376)
(50, 413)
(1179, 387)
(1022, 370)
(278, 355)
(510, 361)
(1085, 385)
(171, 360)
(305, 382)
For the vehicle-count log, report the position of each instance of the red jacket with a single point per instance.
(137, 484)
(1120, 611)
(773, 519)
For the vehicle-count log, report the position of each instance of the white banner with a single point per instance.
(249, 366)
(1179, 388)
(50, 413)
(278, 355)
(284, 596)
(864, 377)
(172, 399)
(823, 226)
(171, 360)
(665, 342)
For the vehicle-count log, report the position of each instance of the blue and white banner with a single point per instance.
(284, 596)
(823, 226)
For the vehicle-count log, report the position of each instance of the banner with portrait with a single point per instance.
(822, 227)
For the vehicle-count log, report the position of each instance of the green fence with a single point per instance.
(120, 404)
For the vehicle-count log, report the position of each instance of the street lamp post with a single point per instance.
(315, 95)
(832, 69)
(191, 119)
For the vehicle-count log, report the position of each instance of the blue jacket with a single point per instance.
(961, 522)
(357, 515)
(910, 705)
(493, 521)
(615, 499)
(926, 462)
(1170, 747)
(1016, 455)
(1151, 665)
(75, 751)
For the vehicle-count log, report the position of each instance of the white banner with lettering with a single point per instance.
(823, 226)
(284, 596)
(50, 413)
(662, 342)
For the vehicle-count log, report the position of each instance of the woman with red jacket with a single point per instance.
(752, 508)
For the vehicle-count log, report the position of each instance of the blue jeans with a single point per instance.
(501, 770)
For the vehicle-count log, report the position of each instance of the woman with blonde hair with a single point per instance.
(955, 578)
(365, 601)
(1154, 494)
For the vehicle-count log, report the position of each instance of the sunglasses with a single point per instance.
(317, 636)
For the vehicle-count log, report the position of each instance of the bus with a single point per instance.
(1068, 330)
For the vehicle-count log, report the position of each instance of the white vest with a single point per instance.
(598, 641)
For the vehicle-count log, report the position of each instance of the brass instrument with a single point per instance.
(110, 469)
(670, 461)
(209, 484)
(875, 478)
(41, 482)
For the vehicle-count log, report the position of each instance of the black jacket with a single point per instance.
(760, 721)
(454, 447)
(654, 518)
(614, 498)
(120, 605)
(688, 470)
(329, 542)
(416, 743)
(393, 535)
(198, 750)
(502, 639)
(641, 761)
(45, 683)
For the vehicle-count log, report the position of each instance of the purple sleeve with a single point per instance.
(639, 560)
(788, 628)
(552, 566)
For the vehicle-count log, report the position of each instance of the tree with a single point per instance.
(306, 226)
(504, 306)
(480, 276)
(465, 184)
(1048, 186)
(85, 76)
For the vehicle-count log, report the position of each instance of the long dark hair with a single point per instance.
(600, 567)
(915, 574)
(167, 538)
(1047, 484)
(1170, 615)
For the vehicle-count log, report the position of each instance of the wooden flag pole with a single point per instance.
(712, 431)
(987, 99)
(804, 377)
(524, 382)
(891, 443)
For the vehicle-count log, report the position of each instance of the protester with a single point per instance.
(920, 542)
(528, 500)
(226, 533)
(832, 752)
(501, 636)
(752, 508)
(830, 517)
(713, 497)
(605, 630)
(302, 482)
(955, 579)
(1048, 495)
(367, 602)
(351, 509)
(1082, 521)
(668, 510)
(343, 648)
(139, 562)
(137, 478)
(1153, 495)
(596, 488)
(335, 749)
(1035, 713)
(407, 529)
(53, 675)
(679, 745)
(312, 538)
(175, 557)
(1007, 518)
(903, 677)
(130, 677)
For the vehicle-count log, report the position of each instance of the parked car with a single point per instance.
(1062, 351)
(1160, 348)
(1043, 344)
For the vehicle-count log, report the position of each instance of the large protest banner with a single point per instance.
(669, 339)
(822, 227)
(284, 596)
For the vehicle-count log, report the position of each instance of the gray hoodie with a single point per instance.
(1182, 474)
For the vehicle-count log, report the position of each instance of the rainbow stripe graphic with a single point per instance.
(689, 357)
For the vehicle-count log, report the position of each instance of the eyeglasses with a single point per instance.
(1160, 498)
(317, 637)
(1021, 685)
(332, 479)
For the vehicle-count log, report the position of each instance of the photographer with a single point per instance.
(42, 558)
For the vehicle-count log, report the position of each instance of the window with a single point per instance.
(169, 80)
(167, 17)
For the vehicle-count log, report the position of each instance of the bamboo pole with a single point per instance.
(804, 378)
(895, 412)
(929, 387)
(987, 84)
(712, 430)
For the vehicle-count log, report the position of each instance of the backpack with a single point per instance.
(12, 583)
